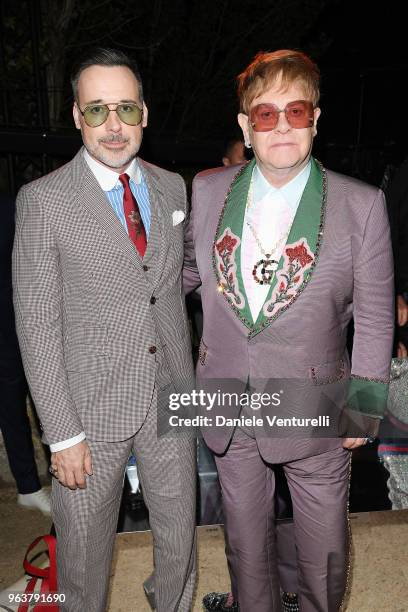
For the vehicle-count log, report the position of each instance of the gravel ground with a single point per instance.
(19, 527)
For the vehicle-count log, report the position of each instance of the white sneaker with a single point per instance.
(40, 500)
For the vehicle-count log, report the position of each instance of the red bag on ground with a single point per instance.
(47, 575)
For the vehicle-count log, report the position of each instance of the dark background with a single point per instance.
(190, 52)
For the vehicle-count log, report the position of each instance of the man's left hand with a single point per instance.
(357, 427)
(402, 352)
(351, 443)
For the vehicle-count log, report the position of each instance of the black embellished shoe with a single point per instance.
(220, 602)
(290, 602)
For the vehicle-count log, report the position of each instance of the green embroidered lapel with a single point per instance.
(227, 245)
(299, 255)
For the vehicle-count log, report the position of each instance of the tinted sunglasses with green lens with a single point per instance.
(96, 114)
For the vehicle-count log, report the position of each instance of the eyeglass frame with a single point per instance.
(116, 104)
(312, 107)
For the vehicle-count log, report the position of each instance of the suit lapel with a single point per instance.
(92, 198)
(301, 252)
(299, 255)
(159, 241)
(227, 245)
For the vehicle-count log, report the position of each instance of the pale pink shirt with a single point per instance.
(271, 214)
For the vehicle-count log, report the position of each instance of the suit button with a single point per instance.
(152, 300)
(145, 268)
(152, 350)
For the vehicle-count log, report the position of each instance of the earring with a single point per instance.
(248, 145)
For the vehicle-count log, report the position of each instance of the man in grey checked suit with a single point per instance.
(103, 333)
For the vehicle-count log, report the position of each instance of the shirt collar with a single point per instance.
(109, 179)
(291, 191)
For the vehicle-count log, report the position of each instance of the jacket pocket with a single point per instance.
(86, 349)
(327, 373)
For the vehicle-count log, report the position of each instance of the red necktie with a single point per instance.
(136, 229)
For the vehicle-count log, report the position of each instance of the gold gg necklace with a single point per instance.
(265, 267)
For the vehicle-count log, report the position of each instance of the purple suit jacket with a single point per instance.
(351, 276)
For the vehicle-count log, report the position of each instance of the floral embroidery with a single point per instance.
(297, 262)
(300, 281)
(226, 245)
(299, 253)
(225, 249)
(272, 317)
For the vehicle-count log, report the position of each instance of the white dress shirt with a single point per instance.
(108, 179)
(270, 213)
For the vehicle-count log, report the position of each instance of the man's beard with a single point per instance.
(113, 159)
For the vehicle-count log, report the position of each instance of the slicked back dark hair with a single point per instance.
(104, 57)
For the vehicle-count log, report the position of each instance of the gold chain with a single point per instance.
(254, 233)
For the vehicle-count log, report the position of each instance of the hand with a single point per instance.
(354, 425)
(72, 464)
(402, 352)
(351, 443)
(402, 311)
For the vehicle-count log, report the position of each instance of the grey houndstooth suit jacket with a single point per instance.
(98, 328)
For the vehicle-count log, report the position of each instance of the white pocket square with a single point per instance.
(178, 217)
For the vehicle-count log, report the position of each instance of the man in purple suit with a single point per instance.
(287, 253)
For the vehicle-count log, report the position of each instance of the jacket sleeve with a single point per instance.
(373, 309)
(191, 275)
(37, 289)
